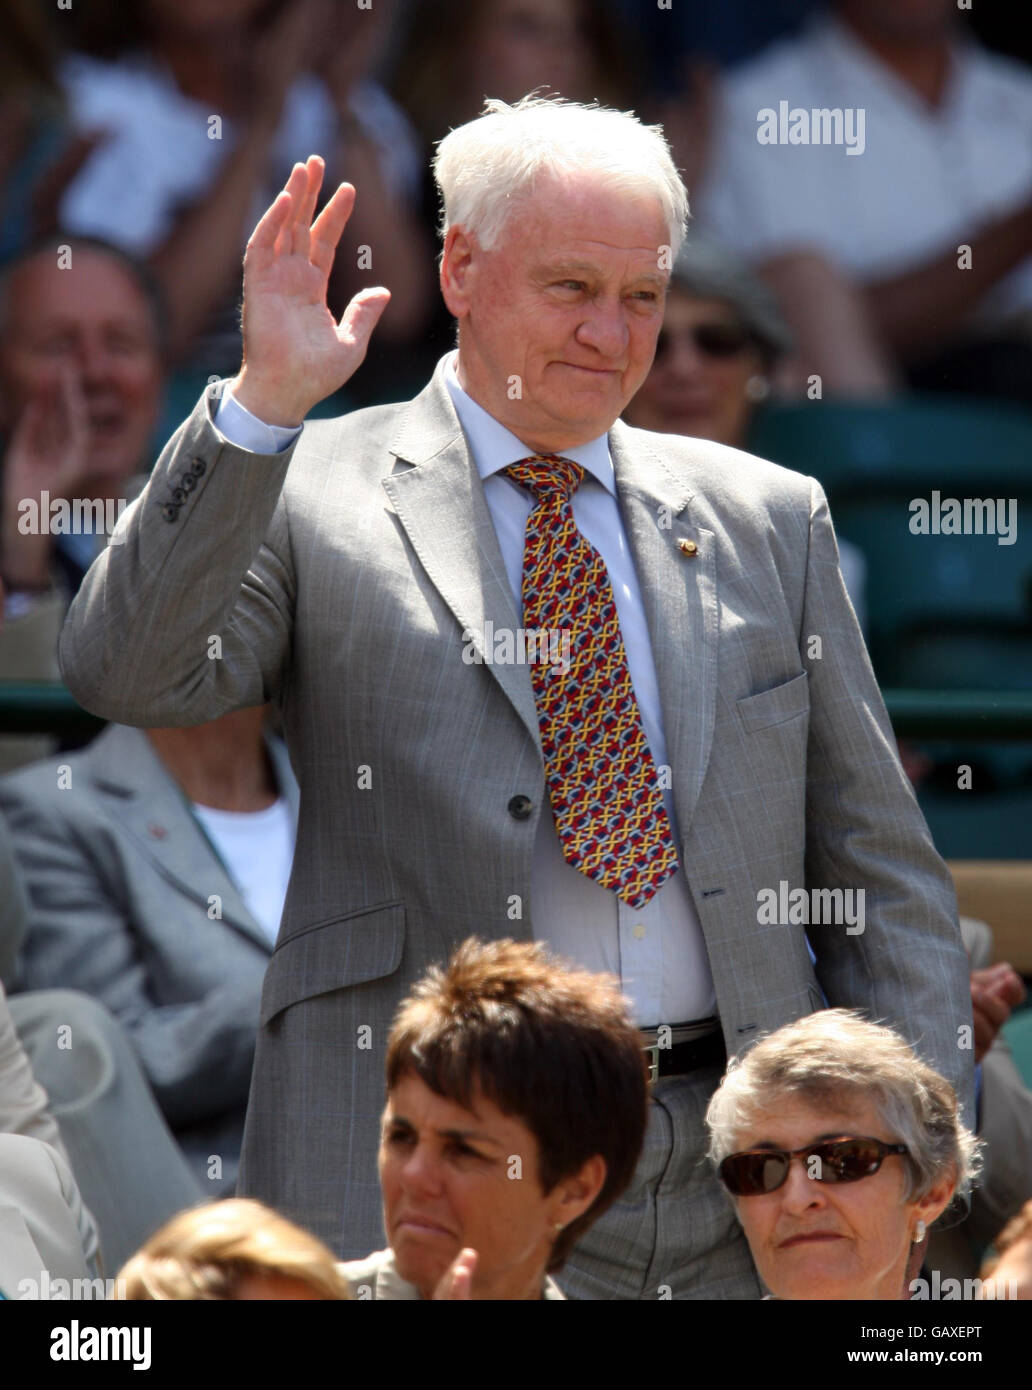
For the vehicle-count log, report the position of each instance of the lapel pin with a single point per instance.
(687, 548)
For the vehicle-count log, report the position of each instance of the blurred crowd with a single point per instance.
(137, 149)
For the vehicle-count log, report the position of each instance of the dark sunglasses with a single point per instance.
(757, 1171)
(713, 339)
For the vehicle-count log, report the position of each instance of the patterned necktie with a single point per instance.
(601, 776)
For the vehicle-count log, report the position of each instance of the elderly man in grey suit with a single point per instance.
(712, 733)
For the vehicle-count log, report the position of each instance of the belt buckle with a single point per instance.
(651, 1051)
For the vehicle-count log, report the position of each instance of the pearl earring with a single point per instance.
(757, 389)
(919, 1232)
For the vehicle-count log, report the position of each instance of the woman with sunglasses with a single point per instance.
(839, 1147)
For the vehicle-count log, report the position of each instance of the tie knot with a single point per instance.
(547, 475)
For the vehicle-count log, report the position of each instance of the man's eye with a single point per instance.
(400, 1136)
(570, 285)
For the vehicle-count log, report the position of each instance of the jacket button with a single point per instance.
(198, 467)
(187, 481)
(169, 511)
(178, 495)
(520, 807)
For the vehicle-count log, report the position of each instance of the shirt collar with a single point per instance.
(494, 447)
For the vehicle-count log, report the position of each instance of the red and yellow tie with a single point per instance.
(608, 807)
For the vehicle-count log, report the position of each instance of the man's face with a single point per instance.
(558, 322)
(92, 322)
(449, 1183)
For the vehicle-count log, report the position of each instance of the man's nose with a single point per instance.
(94, 361)
(605, 329)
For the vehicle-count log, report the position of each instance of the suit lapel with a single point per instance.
(439, 500)
(680, 598)
(138, 792)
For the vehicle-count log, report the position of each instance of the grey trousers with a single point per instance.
(130, 1170)
(674, 1233)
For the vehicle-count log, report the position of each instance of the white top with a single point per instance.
(657, 951)
(161, 158)
(926, 181)
(257, 848)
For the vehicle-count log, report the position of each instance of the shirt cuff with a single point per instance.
(238, 426)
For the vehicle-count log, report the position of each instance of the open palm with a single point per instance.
(295, 351)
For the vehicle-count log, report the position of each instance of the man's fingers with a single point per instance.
(328, 226)
(306, 206)
(362, 315)
(271, 222)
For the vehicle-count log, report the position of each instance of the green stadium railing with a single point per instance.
(30, 707)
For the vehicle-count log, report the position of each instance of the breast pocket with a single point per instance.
(352, 949)
(775, 706)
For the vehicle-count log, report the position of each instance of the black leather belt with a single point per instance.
(669, 1055)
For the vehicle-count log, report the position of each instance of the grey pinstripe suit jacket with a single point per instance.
(340, 576)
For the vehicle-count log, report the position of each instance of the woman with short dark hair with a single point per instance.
(516, 1110)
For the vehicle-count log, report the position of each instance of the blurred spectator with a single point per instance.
(81, 335)
(1004, 1115)
(237, 1249)
(453, 54)
(1008, 1271)
(377, 150)
(456, 53)
(723, 335)
(864, 250)
(69, 1081)
(45, 1232)
(207, 106)
(38, 154)
(156, 864)
(721, 345)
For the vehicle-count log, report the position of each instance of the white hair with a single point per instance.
(836, 1059)
(482, 168)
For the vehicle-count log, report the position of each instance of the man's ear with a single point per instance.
(574, 1195)
(456, 265)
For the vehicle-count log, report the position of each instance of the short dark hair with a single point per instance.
(548, 1043)
(137, 270)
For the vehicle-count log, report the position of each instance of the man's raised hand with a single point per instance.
(295, 352)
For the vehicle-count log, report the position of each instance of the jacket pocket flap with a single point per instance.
(775, 706)
(349, 950)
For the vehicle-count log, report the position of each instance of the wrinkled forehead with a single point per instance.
(588, 213)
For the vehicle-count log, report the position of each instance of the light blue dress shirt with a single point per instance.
(658, 951)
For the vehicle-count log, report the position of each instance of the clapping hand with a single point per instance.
(295, 352)
(995, 991)
(48, 451)
(457, 1280)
